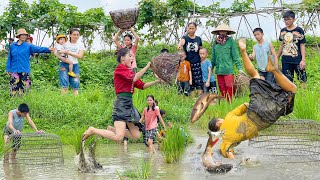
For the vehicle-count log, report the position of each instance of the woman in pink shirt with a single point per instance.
(127, 43)
(150, 115)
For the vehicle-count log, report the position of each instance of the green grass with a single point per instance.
(141, 170)
(173, 145)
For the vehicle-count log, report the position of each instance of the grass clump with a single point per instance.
(174, 144)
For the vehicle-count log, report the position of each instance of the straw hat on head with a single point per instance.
(223, 27)
(61, 36)
(20, 32)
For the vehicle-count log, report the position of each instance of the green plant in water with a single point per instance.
(142, 172)
(174, 144)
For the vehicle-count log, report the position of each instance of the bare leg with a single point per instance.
(251, 70)
(133, 132)
(75, 92)
(118, 135)
(150, 146)
(6, 142)
(64, 91)
(281, 79)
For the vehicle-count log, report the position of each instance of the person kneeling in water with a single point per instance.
(268, 102)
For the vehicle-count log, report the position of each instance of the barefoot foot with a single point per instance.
(270, 66)
(242, 43)
(87, 133)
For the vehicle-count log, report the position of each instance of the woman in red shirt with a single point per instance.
(150, 116)
(125, 80)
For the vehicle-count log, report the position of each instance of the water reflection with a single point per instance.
(116, 162)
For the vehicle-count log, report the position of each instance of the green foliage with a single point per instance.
(173, 145)
(138, 171)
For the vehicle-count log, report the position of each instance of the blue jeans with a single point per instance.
(65, 79)
(268, 76)
(184, 88)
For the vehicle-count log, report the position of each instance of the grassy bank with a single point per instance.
(68, 115)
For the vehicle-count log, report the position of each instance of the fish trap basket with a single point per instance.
(241, 84)
(33, 148)
(125, 18)
(295, 138)
(165, 66)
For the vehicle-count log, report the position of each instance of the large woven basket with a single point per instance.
(241, 84)
(125, 18)
(165, 66)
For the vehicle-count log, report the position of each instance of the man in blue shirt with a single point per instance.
(18, 64)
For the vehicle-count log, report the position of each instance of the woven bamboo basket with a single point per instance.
(125, 18)
(165, 66)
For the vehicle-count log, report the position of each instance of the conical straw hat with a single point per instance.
(21, 31)
(223, 27)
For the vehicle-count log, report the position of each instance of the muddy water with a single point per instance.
(116, 161)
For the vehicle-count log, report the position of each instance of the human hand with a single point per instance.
(190, 82)
(17, 132)
(148, 64)
(52, 49)
(179, 47)
(242, 43)
(303, 64)
(207, 84)
(246, 104)
(251, 57)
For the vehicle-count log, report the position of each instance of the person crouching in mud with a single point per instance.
(268, 102)
(125, 80)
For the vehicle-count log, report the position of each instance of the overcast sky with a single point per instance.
(267, 23)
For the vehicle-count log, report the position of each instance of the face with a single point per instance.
(288, 21)
(127, 60)
(62, 40)
(203, 54)
(258, 35)
(182, 56)
(23, 37)
(127, 41)
(150, 101)
(223, 32)
(192, 29)
(75, 36)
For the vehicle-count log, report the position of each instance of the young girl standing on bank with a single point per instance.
(150, 116)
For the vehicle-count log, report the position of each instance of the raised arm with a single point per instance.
(136, 36)
(141, 72)
(115, 38)
(148, 84)
(274, 54)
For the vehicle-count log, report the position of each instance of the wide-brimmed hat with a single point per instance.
(223, 27)
(20, 32)
(61, 36)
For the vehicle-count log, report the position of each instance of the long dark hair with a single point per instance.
(73, 30)
(153, 106)
(121, 53)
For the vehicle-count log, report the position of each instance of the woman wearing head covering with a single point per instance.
(18, 64)
(224, 55)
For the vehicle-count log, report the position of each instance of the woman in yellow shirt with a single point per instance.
(268, 102)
